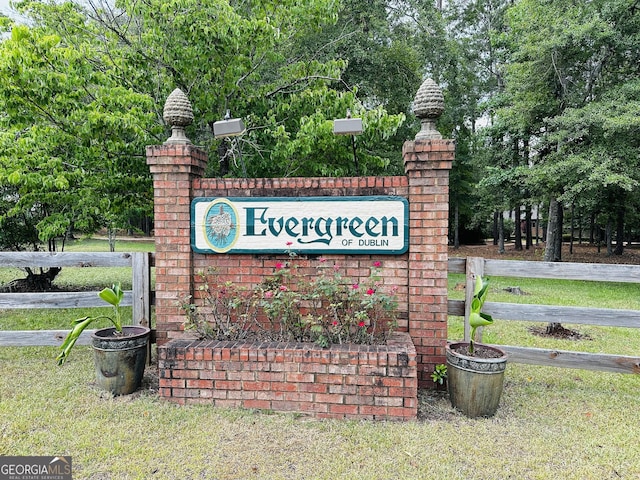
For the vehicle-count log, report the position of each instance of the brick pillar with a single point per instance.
(427, 164)
(173, 167)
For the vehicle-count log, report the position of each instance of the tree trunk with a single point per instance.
(518, 230)
(544, 222)
(538, 219)
(554, 232)
(572, 229)
(111, 235)
(223, 157)
(552, 253)
(580, 228)
(553, 328)
(558, 246)
(619, 230)
(496, 233)
(527, 226)
(35, 282)
(599, 236)
(500, 234)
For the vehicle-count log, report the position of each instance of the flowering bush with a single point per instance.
(325, 308)
(228, 313)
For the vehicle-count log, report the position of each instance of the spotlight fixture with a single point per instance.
(347, 126)
(229, 127)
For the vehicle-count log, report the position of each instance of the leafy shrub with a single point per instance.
(327, 308)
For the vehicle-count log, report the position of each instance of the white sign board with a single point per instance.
(312, 225)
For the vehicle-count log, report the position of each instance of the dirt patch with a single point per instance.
(151, 380)
(515, 291)
(479, 351)
(20, 285)
(148, 387)
(434, 405)
(558, 332)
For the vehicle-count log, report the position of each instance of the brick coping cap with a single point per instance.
(397, 342)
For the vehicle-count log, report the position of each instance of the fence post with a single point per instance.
(475, 266)
(141, 288)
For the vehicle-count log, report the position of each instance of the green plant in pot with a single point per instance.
(119, 352)
(477, 318)
(475, 372)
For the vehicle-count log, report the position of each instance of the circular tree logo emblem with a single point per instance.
(221, 226)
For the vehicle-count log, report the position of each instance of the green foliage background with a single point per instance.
(542, 99)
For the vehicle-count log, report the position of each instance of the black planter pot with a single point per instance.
(120, 359)
(475, 383)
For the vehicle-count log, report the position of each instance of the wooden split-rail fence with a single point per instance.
(141, 299)
(552, 313)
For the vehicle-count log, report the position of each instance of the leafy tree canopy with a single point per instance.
(70, 138)
(82, 89)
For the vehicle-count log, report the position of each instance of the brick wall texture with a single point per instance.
(344, 381)
(420, 274)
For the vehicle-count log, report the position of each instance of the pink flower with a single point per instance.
(361, 324)
(377, 264)
(335, 323)
(268, 294)
(355, 286)
(322, 260)
(283, 288)
(371, 291)
(336, 267)
(279, 266)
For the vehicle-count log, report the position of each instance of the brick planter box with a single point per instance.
(345, 381)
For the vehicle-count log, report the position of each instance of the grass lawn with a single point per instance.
(552, 423)
(123, 244)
